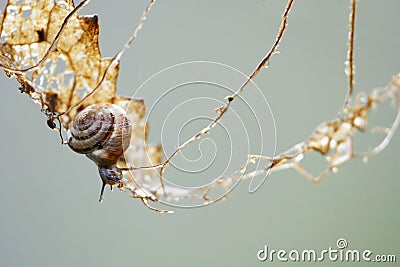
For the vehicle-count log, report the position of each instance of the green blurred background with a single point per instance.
(48, 200)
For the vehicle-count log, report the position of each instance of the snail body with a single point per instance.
(102, 132)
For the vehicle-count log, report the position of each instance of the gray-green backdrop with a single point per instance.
(48, 200)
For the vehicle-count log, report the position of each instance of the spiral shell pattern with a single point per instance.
(102, 132)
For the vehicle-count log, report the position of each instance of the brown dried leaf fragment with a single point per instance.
(73, 66)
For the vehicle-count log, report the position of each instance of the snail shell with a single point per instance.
(103, 133)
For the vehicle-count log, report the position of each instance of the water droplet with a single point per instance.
(335, 169)
(299, 157)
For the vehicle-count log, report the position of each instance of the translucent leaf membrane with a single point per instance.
(71, 70)
(334, 140)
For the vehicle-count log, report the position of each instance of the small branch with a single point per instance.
(350, 53)
(222, 110)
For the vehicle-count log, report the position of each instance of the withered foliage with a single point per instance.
(58, 73)
(54, 55)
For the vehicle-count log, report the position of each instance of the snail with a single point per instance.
(102, 132)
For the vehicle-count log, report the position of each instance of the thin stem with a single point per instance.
(222, 110)
(350, 53)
